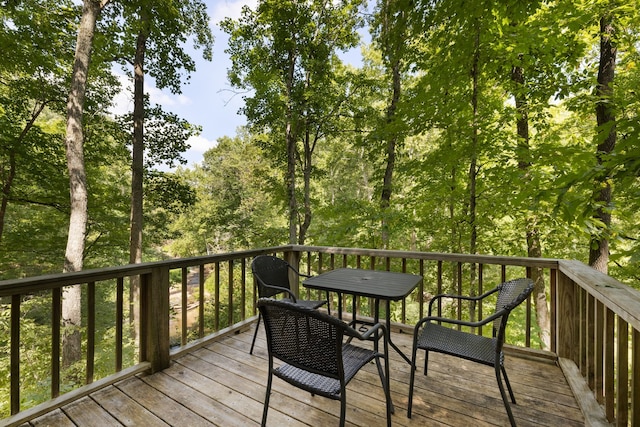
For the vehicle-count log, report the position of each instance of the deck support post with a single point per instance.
(567, 335)
(154, 345)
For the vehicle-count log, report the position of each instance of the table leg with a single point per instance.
(389, 334)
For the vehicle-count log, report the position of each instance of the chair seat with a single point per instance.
(312, 304)
(472, 347)
(354, 358)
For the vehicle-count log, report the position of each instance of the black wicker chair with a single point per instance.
(316, 359)
(272, 277)
(430, 335)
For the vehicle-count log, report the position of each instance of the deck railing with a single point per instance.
(183, 303)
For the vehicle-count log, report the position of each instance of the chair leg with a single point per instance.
(255, 334)
(412, 378)
(506, 380)
(266, 399)
(343, 408)
(384, 378)
(504, 394)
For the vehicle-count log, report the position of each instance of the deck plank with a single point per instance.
(221, 384)
(86, 411)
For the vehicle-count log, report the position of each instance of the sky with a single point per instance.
(207, 99)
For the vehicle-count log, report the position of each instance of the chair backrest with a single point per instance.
(510, 295)
(270, 270)
(304, 338)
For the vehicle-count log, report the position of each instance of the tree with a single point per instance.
(392, 39)
(32, 80)
(285, 52)
(74, 140)
(605, 115)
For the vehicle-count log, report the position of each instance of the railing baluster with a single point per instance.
(91, 330)
(622, 373)
(635, 377)
(404, 300)
(243, 288)
(15, 353)
(598, 351)
(201, 279)
(230, 295)
(459, 291)
(119, 321)
(480, 292)
(439, 287)
(553, 293)
(56, 316)
(216, 297)
(184, 302)
(609, 363)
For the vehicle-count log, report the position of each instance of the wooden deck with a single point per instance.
(222, 385)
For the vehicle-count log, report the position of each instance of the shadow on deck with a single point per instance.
(221, 384)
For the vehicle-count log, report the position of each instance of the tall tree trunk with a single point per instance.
(392, 35)
(473, 173)
(599, 244)
(392, 141)
(306, 172)
(137, 176)
(534, 247)
(290, 136)
(74, 254)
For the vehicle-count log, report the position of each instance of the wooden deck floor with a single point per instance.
(222, 385)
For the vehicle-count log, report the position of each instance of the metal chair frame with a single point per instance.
(315, 356)
(430, 335)
(272, 278)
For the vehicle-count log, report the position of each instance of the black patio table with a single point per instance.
(376, 284)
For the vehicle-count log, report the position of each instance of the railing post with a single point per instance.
(293, 258)
(154, 331)
(567, 313)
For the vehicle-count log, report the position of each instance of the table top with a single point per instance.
(380, 284)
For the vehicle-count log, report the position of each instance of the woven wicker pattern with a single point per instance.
(354, 358)
(457, 343)
(315, 358)
(272, 277)
(438, 334)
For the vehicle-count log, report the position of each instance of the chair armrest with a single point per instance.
(459, 297)
(281, 289)
(295, 270)
(475, 324)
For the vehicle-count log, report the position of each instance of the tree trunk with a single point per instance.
(393, 35)
(599, 245)
(290, 136)
(473, 174)
(74, 254)
(534, 247)
(137, 175)
(392, 141)
(306, 172)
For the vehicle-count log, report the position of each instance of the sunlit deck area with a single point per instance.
(222, 384)
(201, 372)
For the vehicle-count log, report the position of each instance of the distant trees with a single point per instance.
(285, 53)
